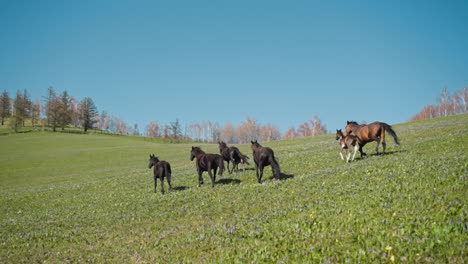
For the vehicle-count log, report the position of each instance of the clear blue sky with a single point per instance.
(280, 62)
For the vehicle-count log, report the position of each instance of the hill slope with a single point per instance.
(68, 197)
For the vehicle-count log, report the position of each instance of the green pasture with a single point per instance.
(71, 197)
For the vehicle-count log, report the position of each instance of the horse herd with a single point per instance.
(264, 156)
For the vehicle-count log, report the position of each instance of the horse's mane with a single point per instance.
(353, 122)
(198, 149)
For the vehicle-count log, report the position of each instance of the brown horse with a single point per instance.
(263, 157)
(232, 154)
(161, 169)
(371, 132)
(346, 143)
(207, 162)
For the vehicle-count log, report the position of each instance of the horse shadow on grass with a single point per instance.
(282, 177)
(179, 188)
(380, 154)
(228, 181)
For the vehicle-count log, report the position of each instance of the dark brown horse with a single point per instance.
(264, 156)
(346, 143)
(232, 154)
(371, 132)
(161, 169)
(207, 162)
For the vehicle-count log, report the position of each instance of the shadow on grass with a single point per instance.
(180, 188)
(379, 154)
(228, 181)
(283, 176)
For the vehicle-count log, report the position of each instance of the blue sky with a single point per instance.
(280, 62)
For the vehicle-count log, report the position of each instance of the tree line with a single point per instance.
(447, 104)
(59, 111)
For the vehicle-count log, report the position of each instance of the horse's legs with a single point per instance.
(200, 178)
(162, 184)
(348, 155)
(355, 150)
(260, 175)
(377, 147)
(360, 150)
(155, 183)
(384, 145)
(211, 176)
(213, 179)
(169, 181)
(341, 154)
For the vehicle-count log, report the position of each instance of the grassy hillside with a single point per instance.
(89, 198)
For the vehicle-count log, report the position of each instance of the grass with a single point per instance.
(89, 198)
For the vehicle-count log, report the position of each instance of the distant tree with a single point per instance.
(136, 132)
(269, 133)
(88, 113)
(215, 132)
(52, 108)
(248, 130)
(228, 133)
(75, 112)
(291, 134)
(305, 130)
(5, 106)
(152, 130)
(175, 128)
(21, 110)
(464, 99)
(64, 110)
(35, 112)
(317, 127)
(444, 102)
(26, 105)
(103, 121)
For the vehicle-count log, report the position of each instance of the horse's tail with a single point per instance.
(168, 170)
(274, 164)
(390, 130)
(244, 159)
(220, 162)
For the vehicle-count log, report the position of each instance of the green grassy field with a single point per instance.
(89, 198)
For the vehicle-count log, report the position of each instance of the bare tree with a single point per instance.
(152, 130)
(176, 130)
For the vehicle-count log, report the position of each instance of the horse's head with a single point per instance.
(222, 145)
(152, 161)
(195, 151)
(350, 126)
(339, 134)
(255, 145)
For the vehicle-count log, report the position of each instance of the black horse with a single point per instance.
(264, 156)
(161, 169)
(207, 162)
(232, 154)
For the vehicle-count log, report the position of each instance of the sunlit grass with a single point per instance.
(75, 197)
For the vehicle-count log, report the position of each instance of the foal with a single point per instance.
(346, 142)
(161, 169)
(263, 157)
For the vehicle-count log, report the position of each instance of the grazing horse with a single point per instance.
(161, 169)
(232, 154)
(207, 162)
(346, 142)
(371, 132)
(264, 156)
